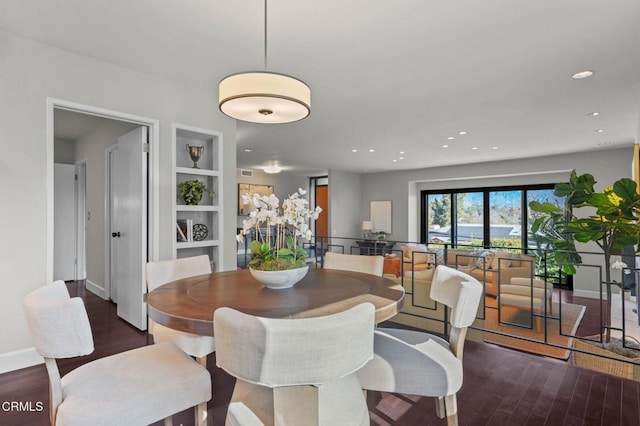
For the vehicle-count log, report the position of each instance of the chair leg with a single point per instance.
(202, 361)
(201, 414)
(451, 407)
(440, 409)
(201, 409)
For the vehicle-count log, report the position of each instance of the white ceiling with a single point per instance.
(386, 75)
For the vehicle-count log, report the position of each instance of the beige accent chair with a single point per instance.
(137, 387)
(413, 362)
(296, 371)
(159, 273)
(529, 294)
(356, 263)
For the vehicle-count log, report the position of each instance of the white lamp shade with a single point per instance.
(264, 97)
(367, 225)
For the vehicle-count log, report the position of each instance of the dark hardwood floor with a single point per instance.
(501, 386)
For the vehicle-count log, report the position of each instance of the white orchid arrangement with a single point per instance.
(277, 230)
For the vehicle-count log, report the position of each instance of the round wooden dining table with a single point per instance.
(188, 304)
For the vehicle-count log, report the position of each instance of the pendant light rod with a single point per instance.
(265, 35)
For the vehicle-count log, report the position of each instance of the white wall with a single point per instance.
(64, 151)
(30, 73)
(345, 211)
(91, 147)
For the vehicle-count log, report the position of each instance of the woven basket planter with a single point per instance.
(593, 361)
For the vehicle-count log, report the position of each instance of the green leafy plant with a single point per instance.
(612, 224)
(276, 231)
(191, 191)
(380, 235)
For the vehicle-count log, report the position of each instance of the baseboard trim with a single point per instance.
(96, 289)
(589, 294)
(17, 360)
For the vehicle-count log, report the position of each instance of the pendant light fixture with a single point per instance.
(264, 97)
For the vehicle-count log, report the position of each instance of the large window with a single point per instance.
(495, 217)
(469, 229)
(505, 218)
(438, 218)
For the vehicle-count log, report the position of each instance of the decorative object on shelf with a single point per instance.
(181, 233)
(200, 232)
(277, 280)
(612, 225)
(367, 227)
(264, 97)
(276, 231)
(191, 191)
(184, 230)
(195, 152)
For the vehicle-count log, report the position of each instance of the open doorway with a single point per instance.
(85, 137)
(320, 198)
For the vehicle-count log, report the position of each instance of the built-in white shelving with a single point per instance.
(208, 212)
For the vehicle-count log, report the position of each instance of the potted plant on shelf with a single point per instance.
(277, 259)
(191, 191)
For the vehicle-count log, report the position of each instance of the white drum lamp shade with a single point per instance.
(367, 225)
(264, 97)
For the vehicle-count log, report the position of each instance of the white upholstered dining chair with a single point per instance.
(159, 273)
(296, 371)
(137, 387)
(352, 262)
(417, 363)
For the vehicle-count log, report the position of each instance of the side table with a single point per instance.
(392, 264)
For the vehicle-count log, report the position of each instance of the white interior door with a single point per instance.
(129, 234)
(110, 249)
(81, 221)
(64, 227)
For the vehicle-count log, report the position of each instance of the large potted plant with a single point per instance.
(611, 224)
(277, 231)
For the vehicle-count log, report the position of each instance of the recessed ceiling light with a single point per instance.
(599, 130)
(248, 150)
(401, 152)
(402, 158)
(372, 150)
(582, 74)
(593, 114)
(354, 150)
(451, 138)
(395, 161)
(462, 132)
(475, 147)
(494, 147)
(445, 146)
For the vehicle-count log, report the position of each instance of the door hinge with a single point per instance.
(145, 147)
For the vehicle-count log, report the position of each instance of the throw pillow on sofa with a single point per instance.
(437, 255)
(484, 259)
(420, 255)
(501, 259)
